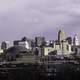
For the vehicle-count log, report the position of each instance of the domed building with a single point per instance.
(15, 52)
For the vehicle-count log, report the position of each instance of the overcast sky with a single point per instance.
(31, 18)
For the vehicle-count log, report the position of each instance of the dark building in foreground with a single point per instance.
(39, 41)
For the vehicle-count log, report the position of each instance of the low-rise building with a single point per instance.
(24, 43)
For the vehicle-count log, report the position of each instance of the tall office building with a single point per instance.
(3, 45)
(39, 41)
(75, 40)
(61, 36)
(6, 45)
(69, 39)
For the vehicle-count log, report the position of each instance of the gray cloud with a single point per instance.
(38, 17)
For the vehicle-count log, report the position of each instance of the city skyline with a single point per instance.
(34, 18)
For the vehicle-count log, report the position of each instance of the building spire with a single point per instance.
(61, 35)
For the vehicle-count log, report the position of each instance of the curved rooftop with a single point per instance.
(16, 49)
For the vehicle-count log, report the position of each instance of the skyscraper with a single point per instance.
(39, 41)
(69, 39)
(61, 36)
(75, 40)
(3, 45)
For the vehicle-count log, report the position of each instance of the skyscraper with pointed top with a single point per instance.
(61, 36)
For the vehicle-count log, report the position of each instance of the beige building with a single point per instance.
(62, 46)
(61, 36)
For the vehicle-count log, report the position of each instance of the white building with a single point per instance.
(24, 44)
(76, 40)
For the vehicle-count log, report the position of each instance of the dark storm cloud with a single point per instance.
(38, 17)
